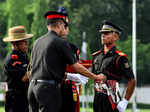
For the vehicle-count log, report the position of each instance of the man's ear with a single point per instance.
(116, 36)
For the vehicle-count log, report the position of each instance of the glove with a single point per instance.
(83, 79)
(77, 78)
(122, 105)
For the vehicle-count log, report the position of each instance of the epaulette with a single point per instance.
(96, 53)
(121, 53)
(17, 62)
(14, 56)
(78, 52)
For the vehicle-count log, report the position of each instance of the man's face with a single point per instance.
(22, 45)
(107, 38)
(62, 29)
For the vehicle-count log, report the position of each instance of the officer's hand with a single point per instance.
(25, 78)
(101, 77)
(77, 78)
(122, 105)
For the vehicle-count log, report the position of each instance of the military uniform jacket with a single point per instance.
(75, 51)
(114, 64)
(14, 69)
(50, 55)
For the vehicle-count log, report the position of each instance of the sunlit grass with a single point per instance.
(128, 110)
(91, 110)
(2, 109)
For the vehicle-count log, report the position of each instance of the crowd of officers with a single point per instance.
(47, 86)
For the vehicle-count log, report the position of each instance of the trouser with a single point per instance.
(102, 103)
(16, 101)
(44, 97)
(68, 104)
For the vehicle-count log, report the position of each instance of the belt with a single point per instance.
(52, 82)
(44, 81)
(100, 88)
(101, 91)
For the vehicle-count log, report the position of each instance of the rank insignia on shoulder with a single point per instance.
(14, 56)
(126, 65)
(96, 53)
(120, 53)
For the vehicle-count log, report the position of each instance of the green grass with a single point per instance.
(2, 109)
(91, 110)
(128, 110)
(142, 110)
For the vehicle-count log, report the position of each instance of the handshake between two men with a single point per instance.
(79, 68)
(78, 78)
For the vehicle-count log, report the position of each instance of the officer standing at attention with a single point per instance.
(15, 70)
(50, 55)
(114, 64)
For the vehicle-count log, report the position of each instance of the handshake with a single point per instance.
(82, 79)
(77, 78)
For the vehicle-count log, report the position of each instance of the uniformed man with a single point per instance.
(50, 55)
(15, 70)
(114, 64)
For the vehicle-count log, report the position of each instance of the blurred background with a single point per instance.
(86, 16)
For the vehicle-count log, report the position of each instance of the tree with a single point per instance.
(39, 22)
(38, 27)
(143, 21)
(16, 13)
(3, 29)
(142, 59)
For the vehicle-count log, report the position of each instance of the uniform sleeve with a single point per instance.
(93, 69)
(67, 52)
(14, 68)
(125, 68)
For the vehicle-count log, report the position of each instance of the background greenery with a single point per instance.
(85, 16)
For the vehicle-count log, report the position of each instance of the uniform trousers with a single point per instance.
(44, 97)
(102, 103)
(68, 105)
(16, 101)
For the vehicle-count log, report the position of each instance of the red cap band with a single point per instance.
(54, 16)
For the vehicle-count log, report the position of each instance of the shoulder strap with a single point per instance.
(118, 57)
(96, 53)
